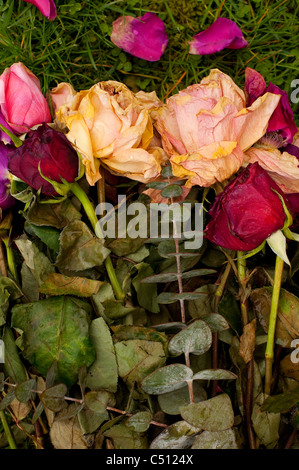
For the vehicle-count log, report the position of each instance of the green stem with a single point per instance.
(7, 430)
(269, 354)
(90, 212)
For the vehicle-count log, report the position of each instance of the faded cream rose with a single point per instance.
(109, 125)
(206, 128)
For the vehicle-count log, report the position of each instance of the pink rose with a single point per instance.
(21, 100)
(206, 127)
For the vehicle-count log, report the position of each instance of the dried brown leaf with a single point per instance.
(247, 341)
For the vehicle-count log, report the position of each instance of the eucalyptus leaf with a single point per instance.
(171, 402)
(124, 437)
(24, 390)
(98, 400)
(140, 421)
(60, 333)
(167, 379)
(53, 397)
(172, 190)
(216, 440)
(179, 435)
(170, 277)
(214, 374)
(195, 338)
(215, 414)
(146, 294)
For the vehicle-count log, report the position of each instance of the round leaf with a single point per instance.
(195, 338)
(172, 190)
(166, 379)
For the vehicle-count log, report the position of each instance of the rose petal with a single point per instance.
(282, 167)
(221, 34)
(282, 119)
(62, 94)
(212, 163)
(255, 85)
(46, 7)
(143, 37)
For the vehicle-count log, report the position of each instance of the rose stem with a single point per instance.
(241, 263)
(7, 430)
(217, 298)
(269, 354)
(90, 212)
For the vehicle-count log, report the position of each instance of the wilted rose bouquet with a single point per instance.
(89, 302)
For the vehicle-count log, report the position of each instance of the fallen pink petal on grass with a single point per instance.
(46, 7)
(223, 33)
(143, 37)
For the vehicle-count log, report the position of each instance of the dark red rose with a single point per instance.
(247, 212)
(55, 154)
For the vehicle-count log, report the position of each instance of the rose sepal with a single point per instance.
(62, 188)
(278, 244)
(17, 142)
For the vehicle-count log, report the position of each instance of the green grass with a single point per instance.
(76, 47)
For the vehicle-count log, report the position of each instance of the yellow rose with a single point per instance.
(110, 125)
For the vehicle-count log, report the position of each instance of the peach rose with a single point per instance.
(206, 128)
(110, 125)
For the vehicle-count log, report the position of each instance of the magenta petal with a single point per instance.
(255, 85)
(143, 37)
(46, 7)
(221, 34)
(282, 119)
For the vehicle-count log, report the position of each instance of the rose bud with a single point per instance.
(247, 212)
(21, 100)
(47, 152)
(143, 37)
(6, 200)
(46, 7)
(223, 33)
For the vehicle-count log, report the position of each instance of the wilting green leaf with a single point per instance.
(216, 440)
(66, 433)
(289, 366)
(265, 425)
(125, 438)
(171, 402)
(79, 248)
(6, 401)
(172, 190)
(125, 332)
(125, 246)
(48, 235)
(281, 403)
(103, 373)
(54, 215)
(195, 338)
(214, 374)
(37, 262)
(167, 379)
(29, 284)
(179, 435)
(58, 284)
(146, 293)
(229, 309)
(140, 421)
(13, 365)
(215, 414)
(138, 358)
(170, 277)
(287, 325)
(24, 390)
(8, 291)
(60, 332)
(53, 397)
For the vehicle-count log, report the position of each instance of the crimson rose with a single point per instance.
(52, 151)
(247, 212)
